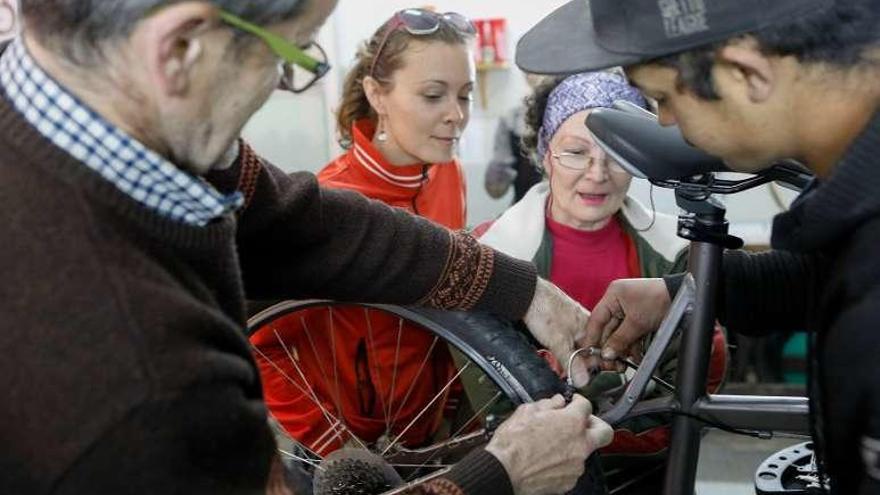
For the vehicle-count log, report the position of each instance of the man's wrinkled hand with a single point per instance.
(557, 321)
(544, 445)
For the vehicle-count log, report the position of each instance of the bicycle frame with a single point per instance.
(638, 142)
(693, 309)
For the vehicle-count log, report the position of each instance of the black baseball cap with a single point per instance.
(585, 35)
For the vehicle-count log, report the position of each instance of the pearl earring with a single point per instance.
(381, 136)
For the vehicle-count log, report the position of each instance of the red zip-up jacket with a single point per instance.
(367, 369)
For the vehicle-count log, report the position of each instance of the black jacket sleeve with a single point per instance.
(851, 397)
(766, 292)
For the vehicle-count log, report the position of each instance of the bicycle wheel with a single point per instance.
(355, 375)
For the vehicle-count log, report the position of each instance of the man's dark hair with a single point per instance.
(78, 28)
(839, 36)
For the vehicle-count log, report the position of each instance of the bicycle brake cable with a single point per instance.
(595, 351)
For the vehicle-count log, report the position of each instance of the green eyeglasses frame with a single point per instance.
(285, 50)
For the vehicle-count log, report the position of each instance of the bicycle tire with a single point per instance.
(493, 344)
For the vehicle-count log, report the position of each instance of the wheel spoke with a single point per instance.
(332, 439)
(415, 380)
(419, 466)
(334, 428)
(477, 414)
(465, 425)
(394, 372)
(311, 391)
(314, 349)
(371, 342)
(426, 408)
(330, 418)
(337, 394)
(304, 460)
(323, 381)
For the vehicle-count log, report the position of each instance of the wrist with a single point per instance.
(539, 300)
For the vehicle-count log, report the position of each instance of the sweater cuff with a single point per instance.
(480, 473)
(511, 287)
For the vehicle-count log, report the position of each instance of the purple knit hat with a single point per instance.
(581, 92)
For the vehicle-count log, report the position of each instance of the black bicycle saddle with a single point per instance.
(633, 137)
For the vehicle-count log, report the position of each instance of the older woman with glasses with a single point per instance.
(405, 105)
(583, 231)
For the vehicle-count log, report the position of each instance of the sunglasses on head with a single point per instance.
(421, 22)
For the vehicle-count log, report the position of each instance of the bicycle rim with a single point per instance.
(486, 348)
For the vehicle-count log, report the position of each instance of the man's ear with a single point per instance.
(745, 63)
(170, 38)
(375, 94)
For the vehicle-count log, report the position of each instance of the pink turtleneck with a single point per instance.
(585, 262)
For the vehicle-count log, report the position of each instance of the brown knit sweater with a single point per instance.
(124, 366)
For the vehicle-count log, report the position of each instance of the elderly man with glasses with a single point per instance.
(134, 221)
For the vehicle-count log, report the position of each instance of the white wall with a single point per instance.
(297, 133)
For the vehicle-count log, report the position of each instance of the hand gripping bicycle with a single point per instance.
(633, 137)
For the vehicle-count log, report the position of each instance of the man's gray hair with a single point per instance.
(78, 28)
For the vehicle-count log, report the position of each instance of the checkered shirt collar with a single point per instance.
(120, 159)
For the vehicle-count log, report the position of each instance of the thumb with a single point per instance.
(602, 316)
(599, 433)
(580, 406)
(620, 341)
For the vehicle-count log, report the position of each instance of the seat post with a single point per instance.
(703, 222)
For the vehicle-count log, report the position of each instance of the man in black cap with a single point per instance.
(753, 82)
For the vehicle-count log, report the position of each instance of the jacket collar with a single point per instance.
(71, 125)
(830, 211)
(520, 230)
(376, 167)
